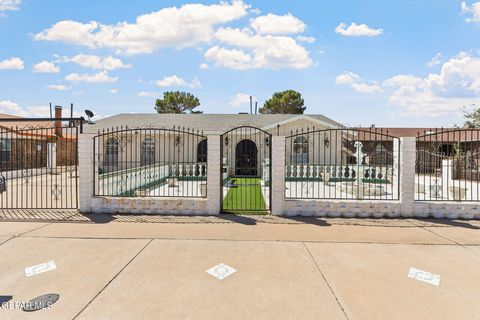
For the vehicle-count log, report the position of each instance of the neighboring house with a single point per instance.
(24, 144)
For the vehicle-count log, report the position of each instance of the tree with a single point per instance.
(472, 117)
(287, 102)
(177, 102)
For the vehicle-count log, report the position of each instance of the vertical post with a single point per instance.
(278, 175)
(51, 157)
(85, 170)
(213, 174)
(407, 175)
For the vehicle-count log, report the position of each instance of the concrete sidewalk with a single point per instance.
(149, 267)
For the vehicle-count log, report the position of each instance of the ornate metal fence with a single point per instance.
(39, 163)
(150, 162)
(342, 164)
(447, 166)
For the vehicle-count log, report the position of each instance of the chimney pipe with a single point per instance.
(256, 107)
(250, 104)
(58, 122)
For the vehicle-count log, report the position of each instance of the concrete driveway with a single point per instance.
(134, 267)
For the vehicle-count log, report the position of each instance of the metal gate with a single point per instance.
(246, 154)
(39, 163)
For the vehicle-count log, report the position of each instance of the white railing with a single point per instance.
(343, 172)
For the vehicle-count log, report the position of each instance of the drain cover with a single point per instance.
(41, 302)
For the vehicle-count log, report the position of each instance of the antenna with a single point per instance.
(90, 115)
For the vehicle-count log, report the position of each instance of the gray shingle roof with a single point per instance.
(202, 122)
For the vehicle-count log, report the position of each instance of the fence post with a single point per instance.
(213, 174)
(407, 176)
(278, 175)
(85, 171)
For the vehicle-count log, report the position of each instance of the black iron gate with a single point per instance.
(39, 163)
(246, 154)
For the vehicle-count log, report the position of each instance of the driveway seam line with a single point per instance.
(113, 279)
(440, 236)
(326, 281)
(21, 234)
(247, 240)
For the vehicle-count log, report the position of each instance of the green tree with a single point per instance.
(287, 102)
(472, 117)
(177, 102)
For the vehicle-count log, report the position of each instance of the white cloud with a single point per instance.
(96, 63)
(187, 26)
(174, 81)
(6, 5)
(455, 86)
(203, 66)
(113, 91)
(257, 51)
(357, 30)
(474, 10)
(306, 39)
(346, 78)
(93, 78)
(402, 80)
(366, 88)
(356, 83)
(240, 99)
(12, 108)
(58, 87)
(12, 63)
(437, 59)
(273, 24)
(46, 67)
(147, 94)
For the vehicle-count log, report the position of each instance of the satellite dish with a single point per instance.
(90, 115)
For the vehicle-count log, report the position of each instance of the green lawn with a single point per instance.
(245, 196)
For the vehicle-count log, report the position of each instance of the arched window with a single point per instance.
(110, 158)
(147, 155)
(380, 154)
(300, 150)
(202, 151)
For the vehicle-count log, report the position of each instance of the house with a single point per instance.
(157, 146)
(27, 143)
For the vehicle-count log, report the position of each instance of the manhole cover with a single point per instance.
(41, 302)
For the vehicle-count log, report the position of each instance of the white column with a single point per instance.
(447, 177)
(278, 175)
(51, 157)
(407, 175)
(85, 170)
(213, 174)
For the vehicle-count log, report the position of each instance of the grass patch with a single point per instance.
(244, 197)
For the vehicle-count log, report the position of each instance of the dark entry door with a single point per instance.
(246, 153)
(246, 170)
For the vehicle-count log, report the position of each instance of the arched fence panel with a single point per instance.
(447, 165)
(357, 164)
(150, 162)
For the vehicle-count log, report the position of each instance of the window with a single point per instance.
(300, 150)
(147, 155)
(5, 149)
(380, 154)
(202, 151)
(110, 160)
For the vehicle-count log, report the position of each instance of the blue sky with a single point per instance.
(389, 63)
